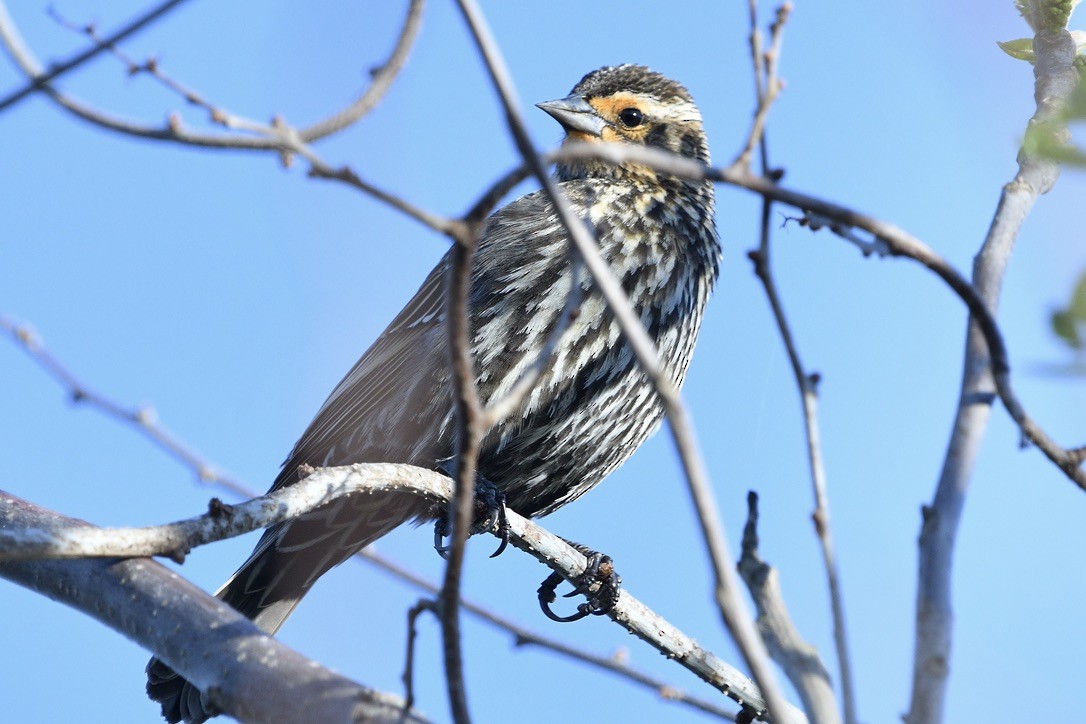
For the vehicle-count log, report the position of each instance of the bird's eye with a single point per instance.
(630, 117)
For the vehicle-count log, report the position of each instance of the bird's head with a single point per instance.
(628, 104)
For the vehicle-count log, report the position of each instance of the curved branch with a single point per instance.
(891, 240)
(379, 84)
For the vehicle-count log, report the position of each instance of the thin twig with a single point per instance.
(767, 84)
(798, 658)
(142, 418)
(1055, 82)
(413, 613)
(41, 79)
(730, 603)
(769, 90)
(380, 81)
(276, 137)
(526, 637)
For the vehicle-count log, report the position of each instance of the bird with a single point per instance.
(590, 407)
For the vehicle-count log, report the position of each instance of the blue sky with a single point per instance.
(232, 295)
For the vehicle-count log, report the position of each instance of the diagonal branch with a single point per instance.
(380, 82)
(152, 428)
(40, 80)
(731, 605)
(26, 540)
(244, 672)
(142, 418)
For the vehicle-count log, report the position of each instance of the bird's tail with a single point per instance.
(286, 562)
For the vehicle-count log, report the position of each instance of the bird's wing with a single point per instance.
(364, 414)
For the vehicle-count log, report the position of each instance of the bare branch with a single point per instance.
(381, 79)
(41, 79)
(798, 658)
(470, 428)
(766, 68)
(276, 137)
(380, 82)
(526, 637)
(221, 521)
(29, 341)
(1055, 81)
(142, 418)
(732, 607)
(324, 484)
(244, 672)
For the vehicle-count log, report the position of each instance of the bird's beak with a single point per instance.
(575, 115)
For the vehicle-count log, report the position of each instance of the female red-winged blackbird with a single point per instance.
(589, 409)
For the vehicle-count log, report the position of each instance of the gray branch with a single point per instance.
(1055, 81)
(247, 674)
(75, 538)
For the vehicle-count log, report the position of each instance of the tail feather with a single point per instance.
(289, 558)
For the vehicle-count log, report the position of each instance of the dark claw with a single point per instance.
(599, 583)
(746, 715)
(489, 515)
(440, 531)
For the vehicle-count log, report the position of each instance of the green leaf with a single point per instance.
(1021, 49)
(1070, 324)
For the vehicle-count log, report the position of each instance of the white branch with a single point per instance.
(322, 486)
(243, 671)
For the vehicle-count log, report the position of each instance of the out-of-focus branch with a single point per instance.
(731, 605)
(40, 80)
(1055, 82)
(276, 137)
(471, 426)
(380, 81)
(798, 658)
(244, 672)
(766, 80)
(768, 85)
(322, 485)
(142, 418)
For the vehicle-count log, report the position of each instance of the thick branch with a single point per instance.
(1056, 79)
(145, 424)
(549, 549)
(245, 672)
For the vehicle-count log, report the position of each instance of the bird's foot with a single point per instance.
(599, 583)
(490, 517)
